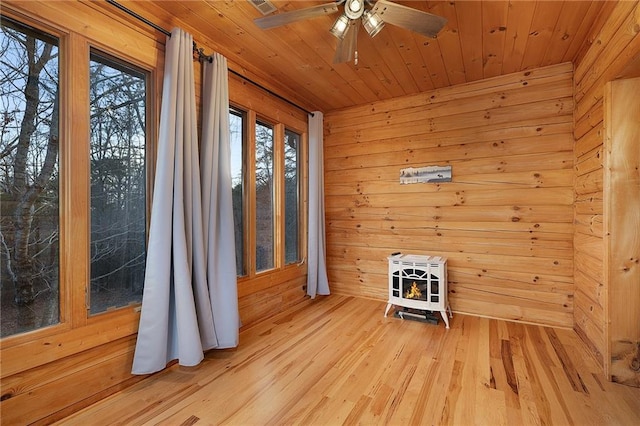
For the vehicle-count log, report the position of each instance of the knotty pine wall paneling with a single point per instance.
(614, 49)
(504, 222)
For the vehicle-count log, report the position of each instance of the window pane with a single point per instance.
(236, 124)
(29, 224)
(264, 197)
(117, 95)
(291, 194)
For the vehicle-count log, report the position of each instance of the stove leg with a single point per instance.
(445, 318)
(386, 311)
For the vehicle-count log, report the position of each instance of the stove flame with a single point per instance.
(414, 292)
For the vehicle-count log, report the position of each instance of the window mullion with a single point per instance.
(75, 176)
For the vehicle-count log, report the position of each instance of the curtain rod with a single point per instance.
(201, 55)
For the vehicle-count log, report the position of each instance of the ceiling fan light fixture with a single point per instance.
(339, 28)
(354, 8)
(372, 23)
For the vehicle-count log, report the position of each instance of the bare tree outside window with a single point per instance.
(118, 183)
(29, 144)
(291, 197)
(264, 197)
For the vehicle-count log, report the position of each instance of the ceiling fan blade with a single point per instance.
(285, 18)
(347, 46)
(409, 18)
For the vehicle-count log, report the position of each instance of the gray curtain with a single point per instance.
(217, 204)
(177, 318)
(317, 281)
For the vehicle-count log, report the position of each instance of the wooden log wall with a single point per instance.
(622, 228)
(49, 374)
(613, 54)
(505, 220)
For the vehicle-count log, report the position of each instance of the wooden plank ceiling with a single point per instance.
(482, 39)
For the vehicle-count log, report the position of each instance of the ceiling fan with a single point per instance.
(372, 14)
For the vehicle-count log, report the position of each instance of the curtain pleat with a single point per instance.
(180, 289)
(215, 165)
(317, 281)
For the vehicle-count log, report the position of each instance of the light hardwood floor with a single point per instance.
(337, 360)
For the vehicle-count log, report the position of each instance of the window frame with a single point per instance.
(124, 66)
(77, 330)
(153, 84)
(253, 114)
(275, 195)
(299, 186)
(240, 112)
(52, 37)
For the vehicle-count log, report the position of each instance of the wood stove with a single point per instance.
(418, 282)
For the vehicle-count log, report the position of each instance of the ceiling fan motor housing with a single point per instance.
(354, 8)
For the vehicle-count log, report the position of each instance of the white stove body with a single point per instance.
(418, 282)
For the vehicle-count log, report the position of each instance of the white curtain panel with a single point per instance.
(317, 281)
(217, 205)
(168, 322)
(176, 321)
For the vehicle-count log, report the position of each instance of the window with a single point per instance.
(73, 182)
(237, 127)
(291, 197)
(266, 169)
(29, 176)
(264, 188)
(117, 96)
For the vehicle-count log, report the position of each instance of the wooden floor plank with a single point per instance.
(337, 360)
